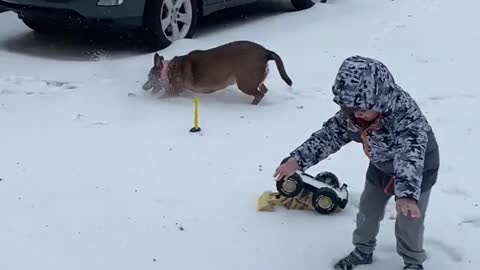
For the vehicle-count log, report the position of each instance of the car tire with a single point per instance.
(183, 18)
(302, 4)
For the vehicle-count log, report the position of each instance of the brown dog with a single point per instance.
(208, 71)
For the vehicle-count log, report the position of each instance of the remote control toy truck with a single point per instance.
(321, 193)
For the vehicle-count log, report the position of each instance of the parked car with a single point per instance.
(163, 21)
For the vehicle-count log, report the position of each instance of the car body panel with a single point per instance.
(211, 6)
(85, 8)
(87, 15)
(89, 9)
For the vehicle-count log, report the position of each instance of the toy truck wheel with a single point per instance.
(325, 201)
(328, 178)
(290, 187)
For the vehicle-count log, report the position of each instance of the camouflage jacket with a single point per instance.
(397, 139)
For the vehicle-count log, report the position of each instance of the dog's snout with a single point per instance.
(147, 85)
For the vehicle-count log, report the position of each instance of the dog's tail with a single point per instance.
(281, 69)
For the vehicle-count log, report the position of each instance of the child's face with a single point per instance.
(366, 115)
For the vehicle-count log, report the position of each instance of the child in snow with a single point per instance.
(401, 147)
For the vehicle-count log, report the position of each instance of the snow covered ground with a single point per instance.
(95, 178)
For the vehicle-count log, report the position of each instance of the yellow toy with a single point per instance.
(268, 200)
(195, 127)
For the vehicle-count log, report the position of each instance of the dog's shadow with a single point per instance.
(230, 96)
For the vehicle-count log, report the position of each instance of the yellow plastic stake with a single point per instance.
(195, 128)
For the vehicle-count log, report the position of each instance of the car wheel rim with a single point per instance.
(176, 18)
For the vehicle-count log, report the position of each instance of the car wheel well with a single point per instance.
(200, 7)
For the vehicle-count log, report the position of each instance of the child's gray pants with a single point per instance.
(408, 231)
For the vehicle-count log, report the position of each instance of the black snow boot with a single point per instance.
(413, 267)
(353, 259)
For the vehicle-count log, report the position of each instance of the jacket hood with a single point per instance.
(364, 83)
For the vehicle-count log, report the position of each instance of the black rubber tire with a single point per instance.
(302, 4)
(328, 178)
(325, 192)
(295, 179)
(155, 38)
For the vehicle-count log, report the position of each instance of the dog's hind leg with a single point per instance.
(262, 90)
(257, 99)
(251, 88)
(252, 84)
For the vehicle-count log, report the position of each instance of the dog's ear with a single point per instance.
(157, 61)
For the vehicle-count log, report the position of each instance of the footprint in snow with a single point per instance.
(95, 124)
(14, 85)
(475, 222)
(395, 27)
(469, 96)
(439, 98)
(423, 59)
(435, 99)
(309, 92)
(80, 118)
(456, 191)
(64, 85)
(451, 251)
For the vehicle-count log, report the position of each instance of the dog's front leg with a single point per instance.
(174, 91)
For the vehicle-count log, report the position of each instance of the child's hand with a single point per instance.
(406, 206)
(287, 169)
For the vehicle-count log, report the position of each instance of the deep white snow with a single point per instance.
(94, 178)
